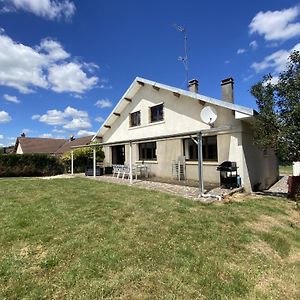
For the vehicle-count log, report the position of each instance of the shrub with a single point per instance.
(29, 165)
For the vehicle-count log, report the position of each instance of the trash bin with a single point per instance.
(228, 174)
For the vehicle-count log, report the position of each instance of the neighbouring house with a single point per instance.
(156, 124)
(48, 145)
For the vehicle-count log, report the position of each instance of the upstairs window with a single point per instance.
(147, 151)
(209, 149)
(157, 113)
(135, 119)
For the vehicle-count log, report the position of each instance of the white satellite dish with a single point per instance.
(208, 114)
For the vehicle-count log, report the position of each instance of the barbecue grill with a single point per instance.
(228, 174)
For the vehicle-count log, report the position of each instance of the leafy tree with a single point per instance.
(83, 157)
(278, 123)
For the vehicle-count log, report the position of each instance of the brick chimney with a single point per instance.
(227, 89)
(193, 86)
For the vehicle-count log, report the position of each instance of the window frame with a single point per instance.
(143, 154)
(205, 149)
(130, 118)
(162, 114)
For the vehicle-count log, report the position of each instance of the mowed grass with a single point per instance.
(81, 239)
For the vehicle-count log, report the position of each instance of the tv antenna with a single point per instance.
(184, 58)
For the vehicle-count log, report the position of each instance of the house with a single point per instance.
(48, 145)
(157, 124)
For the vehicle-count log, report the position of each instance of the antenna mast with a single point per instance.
(184, 58)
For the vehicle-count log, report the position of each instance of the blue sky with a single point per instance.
(65, 64)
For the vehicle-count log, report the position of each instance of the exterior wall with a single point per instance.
(182, 115)
(19, 149)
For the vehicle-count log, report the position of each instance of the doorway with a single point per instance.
(118, 154)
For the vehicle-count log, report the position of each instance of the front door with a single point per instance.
(118, 155)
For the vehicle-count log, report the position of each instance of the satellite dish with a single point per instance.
(208, 115)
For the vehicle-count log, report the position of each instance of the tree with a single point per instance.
(278, 123)
(82, 157)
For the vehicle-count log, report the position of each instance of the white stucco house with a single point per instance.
(155, 124)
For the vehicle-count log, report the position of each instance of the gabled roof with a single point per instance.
(241, 111)
(68, 144)
(49, 145)
(39, 145)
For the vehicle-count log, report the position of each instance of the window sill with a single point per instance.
(146, 125)
(146, 162)
(205, 163)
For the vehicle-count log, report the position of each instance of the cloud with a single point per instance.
(46, 135)
(99, 119)
(4, 117)
(103, 103)
(12, 99)
(45, 66)
(70, 118)
(276, 61)
(276, 25)
(55, 130)
(26, 131)
(1, 136)
(241, 51)
(48, 9)
(35, 117)
(81, 133)
(70, 77)
(253, 45)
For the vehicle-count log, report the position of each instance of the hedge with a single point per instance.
(15, 165)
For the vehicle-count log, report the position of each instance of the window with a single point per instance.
(209, 149)
(135, 119)
(157, 113)
(147, 151)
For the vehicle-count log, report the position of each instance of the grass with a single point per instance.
(286, 170)
(80, 239)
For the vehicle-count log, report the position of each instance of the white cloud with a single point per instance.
(4, 117)
(70, 118)
(226, 62)
(241, 51)
(46, 135)
(44, 66)
(77, 124)
(49, 9)
(1, 136)
(103, 103)
(70, 77)
(276, 61)
(273, 80)
(253, 45)
(9, 98)
(276, 25)
(55, 130)
(35, 117)
(81, 133)
(53, 49)
(26, 131)
(99, 119)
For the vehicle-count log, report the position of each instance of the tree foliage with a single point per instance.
(278, 123)
(83, 157)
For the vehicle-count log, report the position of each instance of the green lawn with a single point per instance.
(81, 239)
(286, 170)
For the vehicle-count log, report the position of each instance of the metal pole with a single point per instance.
(94, 161)
(200, 163)
(72, 162)
(130, 162)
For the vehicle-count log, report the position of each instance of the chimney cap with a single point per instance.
(227, 80)
(193, 81)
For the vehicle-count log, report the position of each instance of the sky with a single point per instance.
(65, 64)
